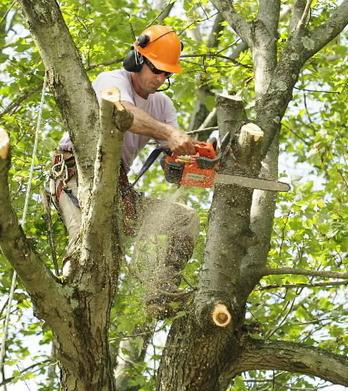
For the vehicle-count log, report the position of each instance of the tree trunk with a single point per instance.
(201, 345)
(91, 368)
(195, 356)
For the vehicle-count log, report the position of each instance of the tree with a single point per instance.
(199, 355)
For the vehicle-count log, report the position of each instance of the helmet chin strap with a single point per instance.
(166, 88)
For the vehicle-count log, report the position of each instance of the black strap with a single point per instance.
(72, 197)
(149, 161)
(165, 88)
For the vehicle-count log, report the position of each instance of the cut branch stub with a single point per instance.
(113, 95)
(123, 118)
(250, 132)
(4, 144)
(230, 113)
(221, 315)
(250, 142)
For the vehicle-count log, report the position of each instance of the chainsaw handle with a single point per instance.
(204, 162)
(207, 157)
(167, 151)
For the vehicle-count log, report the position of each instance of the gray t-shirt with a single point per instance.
(158, 105)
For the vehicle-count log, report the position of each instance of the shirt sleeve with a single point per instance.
(111, 79)
(65, 143)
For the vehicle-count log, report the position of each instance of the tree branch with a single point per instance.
(297, 14)
(228, 233)
(303, 272)
(67, 77)
(269, 11)
(309, 285)
(264, 49)
(327, 31)
(107, 164)
(272, 105)
(261, 223)
(37, 279)
(101, 225)
(236, 21)
(292, 357)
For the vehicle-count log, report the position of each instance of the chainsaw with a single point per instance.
(200, 170)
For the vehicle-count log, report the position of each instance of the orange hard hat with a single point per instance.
(160, 45)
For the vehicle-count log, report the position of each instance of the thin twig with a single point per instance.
(13, 106)
(166, 9)
(290, 306)
(7, 11)
(296, 134)
(309, 116)
(303, 285)
(39, 364)
(319, 91)
(197, 21)
(302, 21)
(105, 63)
(304, 272)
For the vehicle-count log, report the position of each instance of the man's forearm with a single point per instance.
(177, 140)
(146, 125)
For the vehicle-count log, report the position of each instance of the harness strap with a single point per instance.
(72, 196)
(63, 169)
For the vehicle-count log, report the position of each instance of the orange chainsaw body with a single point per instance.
(198, 177)
(195, 170)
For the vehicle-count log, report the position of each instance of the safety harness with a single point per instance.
(62, 170)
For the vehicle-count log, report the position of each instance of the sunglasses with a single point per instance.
(156, 71)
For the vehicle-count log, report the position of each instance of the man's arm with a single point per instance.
(178, 141)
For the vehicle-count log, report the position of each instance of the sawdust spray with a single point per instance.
(149, 264)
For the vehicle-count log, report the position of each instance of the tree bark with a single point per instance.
(228, 226)
(195, 356)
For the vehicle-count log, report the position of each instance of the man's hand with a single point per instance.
(180, 143)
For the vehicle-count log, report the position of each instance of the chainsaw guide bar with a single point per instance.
(253, 183)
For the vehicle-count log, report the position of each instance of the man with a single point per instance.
(152, 60)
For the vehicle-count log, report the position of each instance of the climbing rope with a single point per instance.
(23, 221)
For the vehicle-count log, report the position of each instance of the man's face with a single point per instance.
(150, 78)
